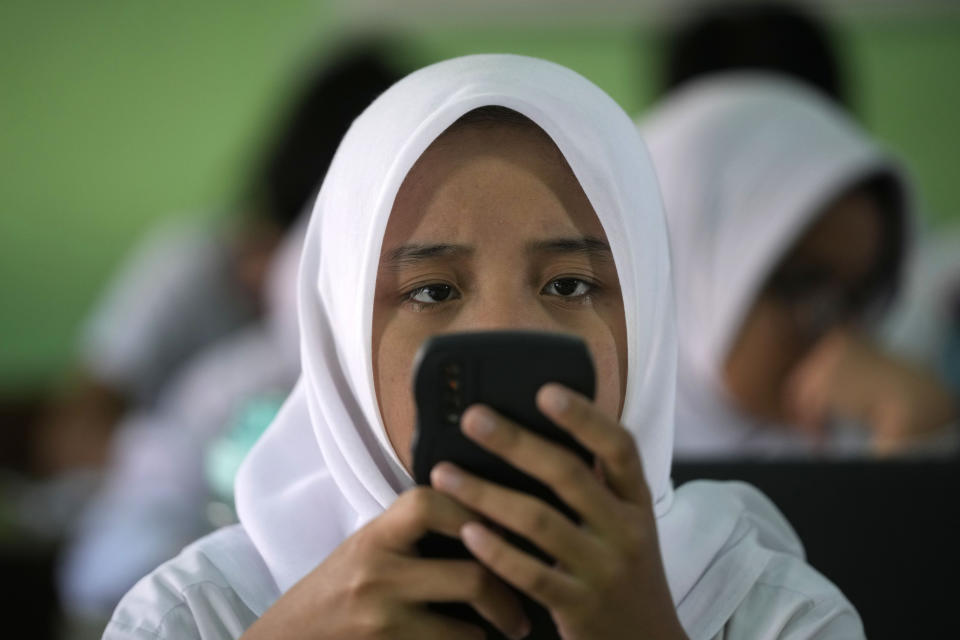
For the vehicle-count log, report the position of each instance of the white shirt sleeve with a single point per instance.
(214, 590)
(791, 601)
(207, 611)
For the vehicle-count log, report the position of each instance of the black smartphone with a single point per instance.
(504, 370)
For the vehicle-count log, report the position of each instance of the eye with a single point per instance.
(431, 294)
(568, 288)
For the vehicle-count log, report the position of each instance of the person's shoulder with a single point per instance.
(785, 597)
(792, 600)
(755, 514)
(789, 599)
(215, 588)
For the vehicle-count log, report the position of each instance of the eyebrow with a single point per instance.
(590, 246)
(409, 255)
(412, 254)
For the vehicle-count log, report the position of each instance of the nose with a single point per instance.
(506, 309)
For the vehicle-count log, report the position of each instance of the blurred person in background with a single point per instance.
(156, 489)
(775, 37)
(787, 39)
(188, 284)
(157, 485)
(789, 229)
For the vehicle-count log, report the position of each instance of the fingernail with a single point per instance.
(473, 534)
(554, 398)
(446, 476)
(480, 423)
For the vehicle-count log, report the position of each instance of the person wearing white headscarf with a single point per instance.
(154, 494)
(789, 227)
(328, 510)
(176, 293)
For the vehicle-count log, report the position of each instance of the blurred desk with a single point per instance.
(30, 608)
(885, 532)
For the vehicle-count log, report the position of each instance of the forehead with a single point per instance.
(496, 181)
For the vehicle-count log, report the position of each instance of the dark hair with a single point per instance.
(297, 159)
(774, 37)
(887, 277)
(493, 115)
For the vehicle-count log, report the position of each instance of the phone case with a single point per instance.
(504, 370)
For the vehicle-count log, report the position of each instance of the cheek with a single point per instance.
(607, 346)
(609, 384)
(393, 359)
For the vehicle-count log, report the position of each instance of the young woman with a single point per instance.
(485, 192)
(788, 227)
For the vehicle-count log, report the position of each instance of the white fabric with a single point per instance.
(189, 598)
(173, 295)
(325, 467)
(745, 162)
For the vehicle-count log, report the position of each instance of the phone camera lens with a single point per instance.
(451, 369)
(450, 392)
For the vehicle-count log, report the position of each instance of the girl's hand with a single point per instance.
(608, 580)
(374, 586)
(847, 376)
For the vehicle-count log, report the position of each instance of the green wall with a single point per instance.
(117, 113)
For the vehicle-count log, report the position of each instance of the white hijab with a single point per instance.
(325, 466)
(746, 162)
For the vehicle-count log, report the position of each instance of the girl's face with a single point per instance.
(491, 230)
(817, 286)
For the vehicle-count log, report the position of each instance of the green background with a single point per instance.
(115, 114)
